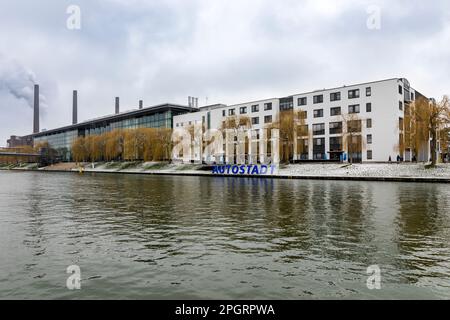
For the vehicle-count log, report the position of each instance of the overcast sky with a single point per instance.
(228, 51)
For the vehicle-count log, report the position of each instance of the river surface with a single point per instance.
(160, 237)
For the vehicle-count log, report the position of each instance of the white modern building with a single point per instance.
(377, 109)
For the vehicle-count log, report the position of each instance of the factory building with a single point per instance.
(61, 139)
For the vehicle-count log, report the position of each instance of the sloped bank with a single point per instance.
(393, 172)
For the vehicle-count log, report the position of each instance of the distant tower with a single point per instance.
(36, 109)
(141, 104)
(75, 107)
(117, 105)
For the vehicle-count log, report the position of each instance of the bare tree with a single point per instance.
(351, 135)
(428, 117)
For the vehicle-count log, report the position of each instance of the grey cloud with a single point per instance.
(227, 50)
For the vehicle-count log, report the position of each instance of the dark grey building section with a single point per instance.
(75, 107)
(141, 104)
(117, 105)
(36, 109)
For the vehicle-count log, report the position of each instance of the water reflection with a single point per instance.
(178, 237)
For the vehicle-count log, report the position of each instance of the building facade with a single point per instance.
(369, 117)
(61, 139)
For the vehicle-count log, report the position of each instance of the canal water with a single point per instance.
(158, 237)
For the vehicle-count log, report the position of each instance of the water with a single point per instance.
(151, 237)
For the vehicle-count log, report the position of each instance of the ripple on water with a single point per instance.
(193, 237)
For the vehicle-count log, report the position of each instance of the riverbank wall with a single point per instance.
(357, 172)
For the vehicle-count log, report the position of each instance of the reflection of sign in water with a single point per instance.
(245, 169)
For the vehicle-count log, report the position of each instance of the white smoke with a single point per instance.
(18, 81)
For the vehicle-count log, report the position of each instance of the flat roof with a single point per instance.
(120, 116)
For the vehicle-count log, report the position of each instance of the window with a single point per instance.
(412, 96)
(303, 114)
(268, 106)
(286, 103)
(369, 139)
(352, 94)
(267, 119)
(335, 143)
(255, 120)
(318, 129)
(400, 123)
(302, 101)
(302, 130)
(400, 89)
(368, 107)
(369, 123)
(354, 126)
(335, 96)
(318, 113)
(400, 105)
(255, 108)
(336, 111)
(178, 124)
(318, 99)
(223, 113)
(319, 141)
(369, 155)
(368, 91)
(353, 108)
(231, 112)
(335, 127)
(243, 110)
(318, 148)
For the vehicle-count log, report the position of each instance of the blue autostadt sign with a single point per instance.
(245, 169)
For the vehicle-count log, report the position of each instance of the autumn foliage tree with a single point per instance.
(429, 119)
(148, 144)
(291, 126)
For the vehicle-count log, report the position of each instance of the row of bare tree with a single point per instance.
(425, 123)
(148, 144)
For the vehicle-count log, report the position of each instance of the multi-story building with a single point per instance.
(370, 117)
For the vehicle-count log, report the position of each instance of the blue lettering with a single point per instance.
(242, 169)
(248, 168)
(215, 170)
(222, 169)
(272, 167)
(255, 170)
(228, 169)
(263, 169)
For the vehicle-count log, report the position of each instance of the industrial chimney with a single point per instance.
(117, 105)
(141, 104)
(36, 109)
(75, 107)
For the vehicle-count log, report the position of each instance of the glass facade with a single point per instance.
(62, 141)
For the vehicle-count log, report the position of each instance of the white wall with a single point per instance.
(385, 115)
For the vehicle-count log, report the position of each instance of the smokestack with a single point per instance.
(189, 101)
(196, 102)
(36, 109)
(117, 105)
(141, 104)
(75, 107)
